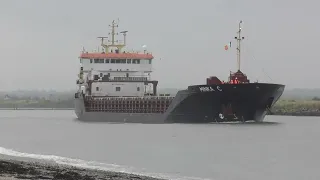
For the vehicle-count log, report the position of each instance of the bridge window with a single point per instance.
(129, 61)
(123, 61)
(91, 60)
(118, 88)
(107, 60)
(136, 61)
(118, 61)
(98, 60)
(97, 88)
(138, 88)
(150, 61)
(113, 61)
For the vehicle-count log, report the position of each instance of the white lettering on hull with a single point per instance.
(210, 89)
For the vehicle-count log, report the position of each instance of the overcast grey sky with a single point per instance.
(40, 40)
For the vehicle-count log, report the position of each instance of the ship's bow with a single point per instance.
(225, 102)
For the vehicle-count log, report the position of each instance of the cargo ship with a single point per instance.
(115, 85)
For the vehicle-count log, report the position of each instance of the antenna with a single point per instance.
(124, 36)
(102, 38)
(239, 38)
(113, 33)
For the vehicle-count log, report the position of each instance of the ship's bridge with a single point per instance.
(114, 62)
(102, 70)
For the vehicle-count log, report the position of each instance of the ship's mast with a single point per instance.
(113, 26)
(239, 38)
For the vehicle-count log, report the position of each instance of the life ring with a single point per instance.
(221, 116)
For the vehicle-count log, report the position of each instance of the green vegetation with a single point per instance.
(36, 104)
(36, 99)
(297, 107)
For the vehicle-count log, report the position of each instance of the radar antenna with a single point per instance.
(124, 36)
(113, 33)
(239, 38)
(102, 38)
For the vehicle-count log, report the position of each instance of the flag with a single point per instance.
(226, 47)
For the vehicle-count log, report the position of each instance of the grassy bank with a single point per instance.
(297, 108)
(13, 104)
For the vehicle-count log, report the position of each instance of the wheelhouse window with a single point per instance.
(136, 61)
(97, 88)
(113, 61)
(118, 88)
(98, 60)
(122, 61)
(91, 60)
(107, 60)
(128, 61)
(138, 88)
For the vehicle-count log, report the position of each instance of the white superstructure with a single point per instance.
(115, 72)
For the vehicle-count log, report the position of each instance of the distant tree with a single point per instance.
(316, 99)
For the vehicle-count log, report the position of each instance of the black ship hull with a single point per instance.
(201, 104)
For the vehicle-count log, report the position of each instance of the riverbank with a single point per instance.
(282, 107)
(37, 108)
(296, 108)
(19, 169)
